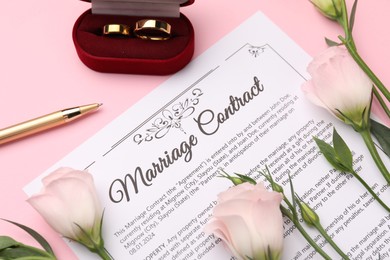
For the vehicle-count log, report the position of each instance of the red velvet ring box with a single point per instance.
(133, 55)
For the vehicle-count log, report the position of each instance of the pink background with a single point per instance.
(40, 73)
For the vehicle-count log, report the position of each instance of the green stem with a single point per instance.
(374, 154)
(102, 252)
(373, 194)
(97, 248)
(355, 55)
(330, 240)
(298, 225)
(381, 102)
(343, 20)
(351, 47)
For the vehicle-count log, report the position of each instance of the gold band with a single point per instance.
(116, 29)
(149, 29)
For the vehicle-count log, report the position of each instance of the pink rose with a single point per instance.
(248, 219)
(340, 85)
(69, 203)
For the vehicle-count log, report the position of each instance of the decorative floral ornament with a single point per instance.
(70, 205)
(248, 219)
(329, 8)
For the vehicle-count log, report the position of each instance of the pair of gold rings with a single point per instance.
(146, 29)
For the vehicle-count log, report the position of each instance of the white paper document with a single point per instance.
(238, 107)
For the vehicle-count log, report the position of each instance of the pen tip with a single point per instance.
(100, 104)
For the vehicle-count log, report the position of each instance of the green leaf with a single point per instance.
(352, 17)
(382, 134)
(235, 180)
(330, 42)
(6, 242)
(23, 251)
(330, 154)
(35, 235)
(327, 150)
(342, 151)
(245, 178)
(36, 258)
(267, 175)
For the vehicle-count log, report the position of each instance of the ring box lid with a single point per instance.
(147, 8)
(183, 3)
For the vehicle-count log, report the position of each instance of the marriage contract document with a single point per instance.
(236, 108)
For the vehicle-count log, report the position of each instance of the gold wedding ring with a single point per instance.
(149, 29)
(116, 30)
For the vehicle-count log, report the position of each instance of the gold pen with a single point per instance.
(45, 122)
